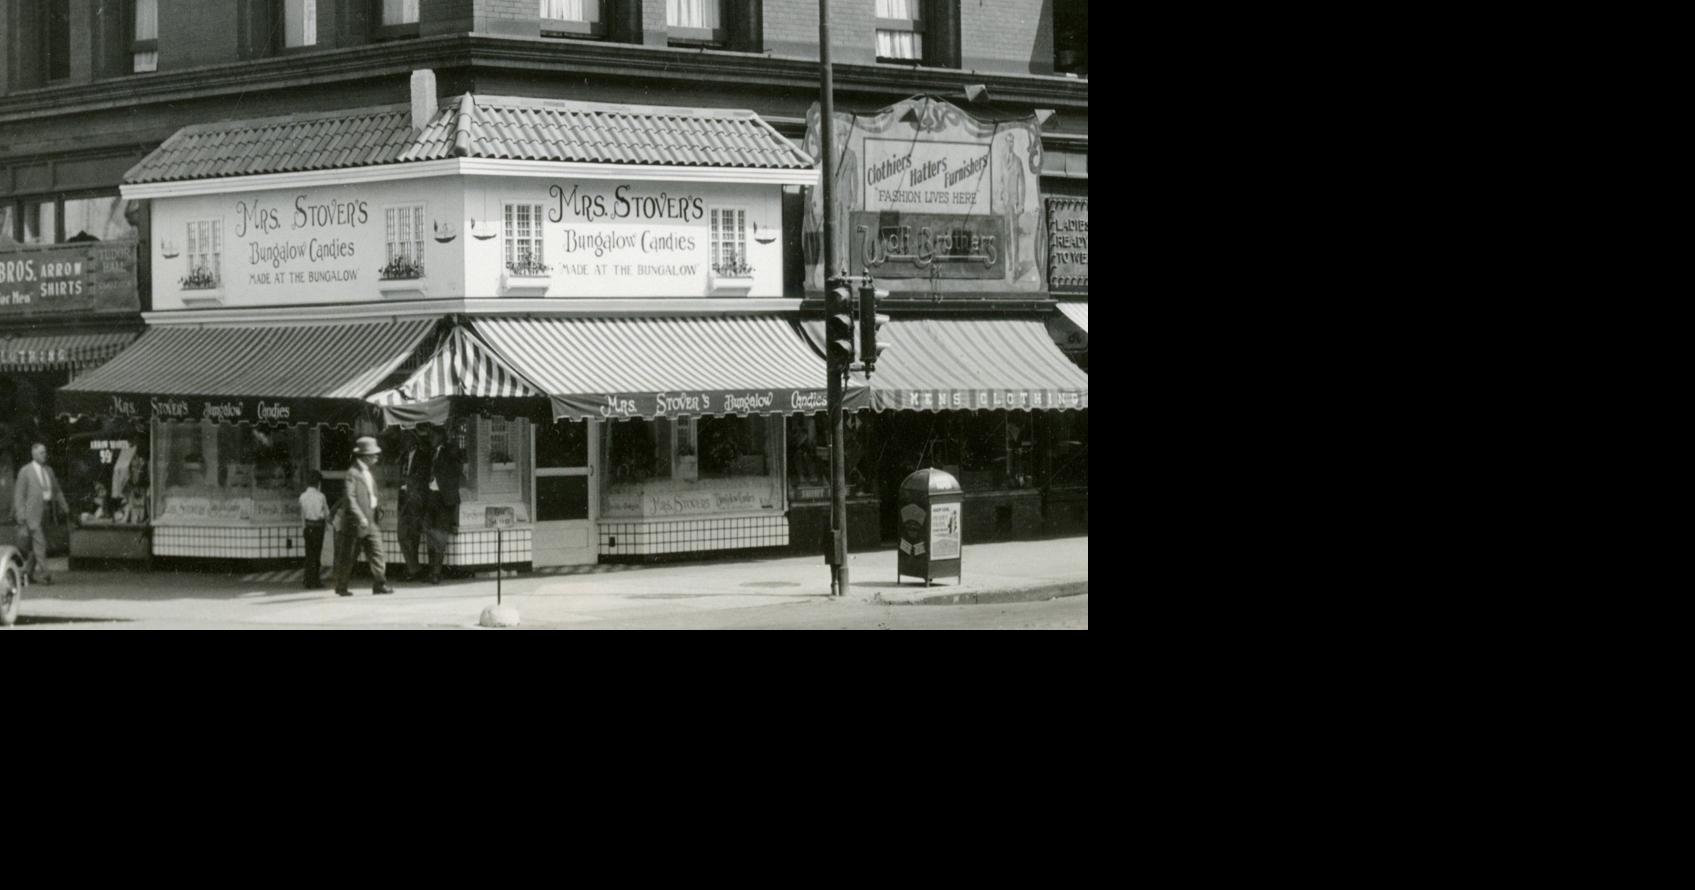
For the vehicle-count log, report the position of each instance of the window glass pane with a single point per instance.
(562, 444)
(562, 497)
(146, 19)
(900, 45)
(97, 219)
(39, 223)
(58, 45)
(898, 9)
(400, 12)
(638, 450)
(732, 446)
(571, 10)
(8, 224)
(692, 13)
(300, 23)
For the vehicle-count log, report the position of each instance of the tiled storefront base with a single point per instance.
(652, 538)
(467, 548)
(240, 542)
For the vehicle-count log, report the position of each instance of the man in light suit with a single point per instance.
(357, 521)
(33, 498)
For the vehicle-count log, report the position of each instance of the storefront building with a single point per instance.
(587, 297)
(69, 301)
(942, 206)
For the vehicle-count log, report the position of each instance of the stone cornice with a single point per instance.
(470, 51)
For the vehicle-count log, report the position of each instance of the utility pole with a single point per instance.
(837, 371)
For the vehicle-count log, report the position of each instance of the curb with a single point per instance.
(933, 596)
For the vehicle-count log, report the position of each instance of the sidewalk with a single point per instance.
(997, 573)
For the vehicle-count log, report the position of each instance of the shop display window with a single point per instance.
(107, 482)
(809, 456)
(1070, 449)
(230, 472)
(689, 466)
(638, 450)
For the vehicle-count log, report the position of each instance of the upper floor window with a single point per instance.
(144, 50)
(53, 220)
(523, 239)
(399, 12)
(205, 244)
(56, 39)
(573, 18)
(405, 231)
(900, 30)
(696, 21)
(729, 243)
(299, 23)
(1071, 36)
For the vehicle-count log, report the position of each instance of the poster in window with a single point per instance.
(944, 531)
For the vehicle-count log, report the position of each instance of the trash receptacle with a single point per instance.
(931, 503)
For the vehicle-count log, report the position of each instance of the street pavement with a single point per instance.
(1015, 584)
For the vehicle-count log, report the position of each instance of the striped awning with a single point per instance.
(52, 352)
(1078, 313)
(317, 373)
(660, 367)
(461, 368)
(946, 364)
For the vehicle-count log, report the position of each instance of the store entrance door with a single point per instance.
(567, 500)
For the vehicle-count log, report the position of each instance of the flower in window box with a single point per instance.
(733, 269)
(199, 278)
(528, 269)
(400, 269)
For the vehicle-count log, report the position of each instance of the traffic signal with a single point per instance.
(838, 323)
(870, 324)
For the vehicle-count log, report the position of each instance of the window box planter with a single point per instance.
(732, 278)
(402, 288)
(525, 281)
(505, 466)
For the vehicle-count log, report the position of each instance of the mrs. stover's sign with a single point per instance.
(467, 236)
(931, 199)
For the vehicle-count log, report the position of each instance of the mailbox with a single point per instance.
(931, 504)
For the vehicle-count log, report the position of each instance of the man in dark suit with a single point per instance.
(33, 498)
(358, 518)
(445, 472)
(414, 498)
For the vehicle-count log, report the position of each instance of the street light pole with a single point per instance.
(838, 457)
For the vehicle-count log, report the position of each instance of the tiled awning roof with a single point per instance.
(470, 126)
(51, 352)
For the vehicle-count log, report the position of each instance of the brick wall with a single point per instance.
(192, 34)
(1009, 36)
(445, 16)
(791, 29)
(653, 22)
(8, 33)
(515, 18)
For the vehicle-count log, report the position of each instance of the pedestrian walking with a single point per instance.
(35, 498)
(314, 513)
(414, 499)
(358, 518)
(445, 472)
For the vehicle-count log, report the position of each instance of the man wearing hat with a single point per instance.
(357, 519)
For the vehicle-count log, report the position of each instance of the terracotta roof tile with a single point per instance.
(495, 127)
